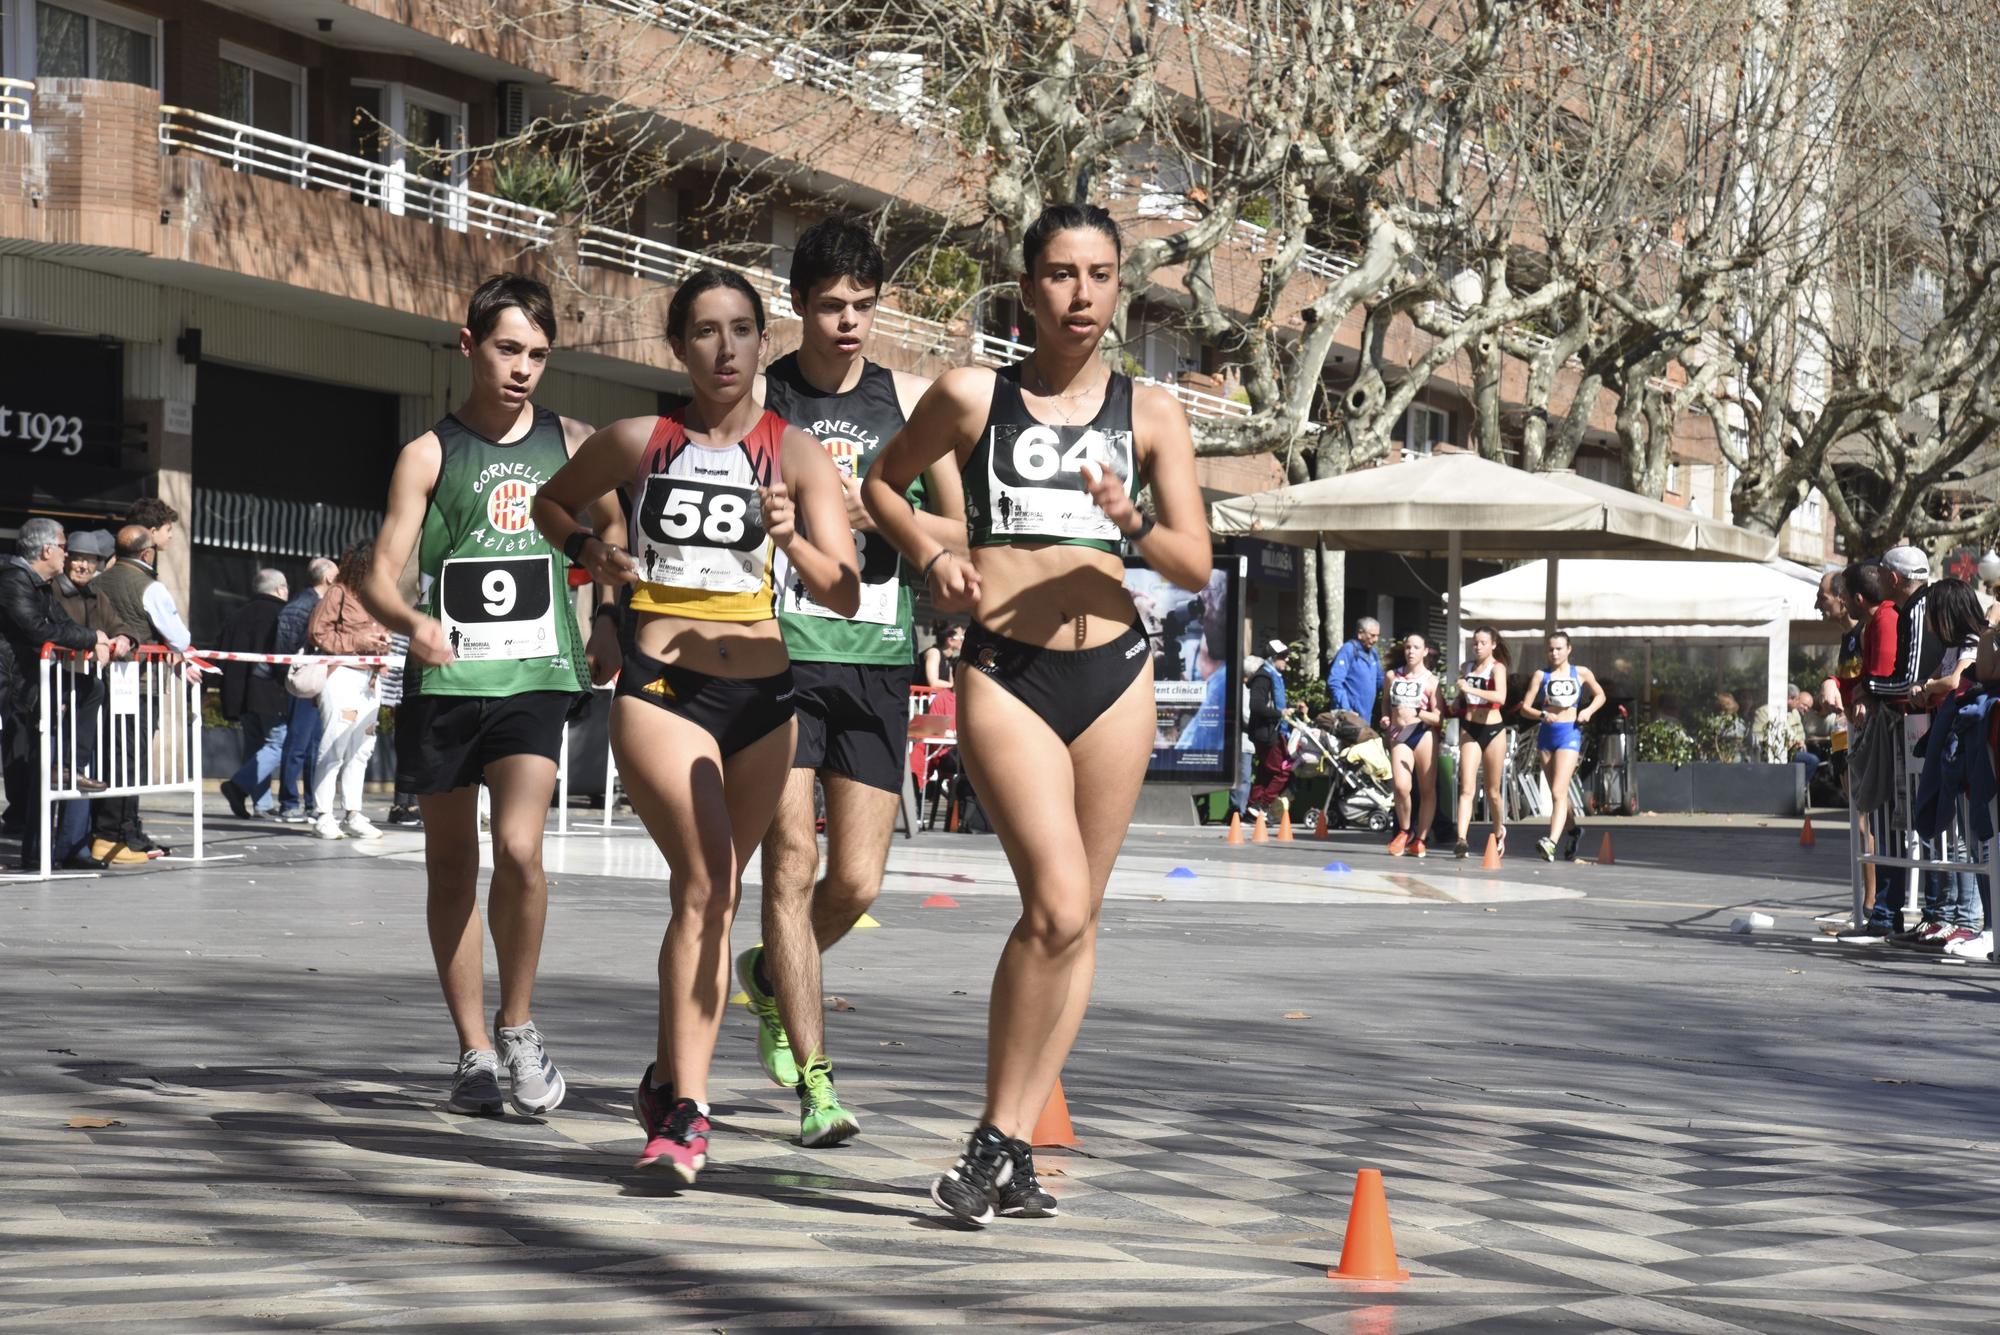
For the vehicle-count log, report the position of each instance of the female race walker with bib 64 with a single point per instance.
(1553, 698)
(1056, 714)
(1482, 736)
(702, 725)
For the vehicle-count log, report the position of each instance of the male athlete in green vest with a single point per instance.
(852, 674)
(496, 665)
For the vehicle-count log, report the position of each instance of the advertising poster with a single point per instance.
(1197, 671)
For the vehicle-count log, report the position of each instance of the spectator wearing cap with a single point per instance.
(1267, 728)
(254, 696)
(89, 552)
(1917, 652)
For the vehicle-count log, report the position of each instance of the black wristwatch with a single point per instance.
(1146, 525)
(609, 610)
(573, 545)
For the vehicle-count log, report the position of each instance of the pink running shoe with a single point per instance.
(676, 1131)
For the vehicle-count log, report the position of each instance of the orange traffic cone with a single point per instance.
(1260, 835)
(1235, 827)
(1369, 1250)
(1052, 1128)
(1806, 834)
(1604, 857)
(1326, 825)
(1284, 825)
(1491, 862)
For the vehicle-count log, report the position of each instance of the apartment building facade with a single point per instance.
(221, 282)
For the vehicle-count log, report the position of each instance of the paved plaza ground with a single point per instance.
(1594, 1107)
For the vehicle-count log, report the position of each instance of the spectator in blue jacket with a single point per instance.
(1354, 679)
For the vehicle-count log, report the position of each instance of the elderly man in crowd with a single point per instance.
(1354, 678)
(254, 695)
(30, 617)
(137, 606)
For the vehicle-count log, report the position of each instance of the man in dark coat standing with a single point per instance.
(254, 696)
(29, 618)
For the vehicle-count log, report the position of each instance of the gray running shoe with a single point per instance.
(534, 1083)
(475, 1090)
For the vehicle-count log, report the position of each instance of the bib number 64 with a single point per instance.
(1039, 454)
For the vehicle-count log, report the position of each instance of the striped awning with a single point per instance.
(269, 527)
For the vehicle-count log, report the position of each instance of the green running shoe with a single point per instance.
(822, 1121)
(774, 1049)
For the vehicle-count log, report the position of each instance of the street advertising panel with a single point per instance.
(1197, 671)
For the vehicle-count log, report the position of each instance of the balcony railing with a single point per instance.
(994, 350)
(378, 185)
(14, 102)
(646, 258)
(247, 149)
(898, 92)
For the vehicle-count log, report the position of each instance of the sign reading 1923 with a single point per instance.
(57, 433)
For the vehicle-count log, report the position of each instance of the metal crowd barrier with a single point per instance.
(134, 726)
(1898, 847)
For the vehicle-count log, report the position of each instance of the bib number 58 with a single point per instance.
(697, 514)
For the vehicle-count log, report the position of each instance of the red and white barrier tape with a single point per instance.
(207, 658)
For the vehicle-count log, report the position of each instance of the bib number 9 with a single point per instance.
(498, 607)
(500, 593)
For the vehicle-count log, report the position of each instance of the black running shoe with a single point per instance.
(1460, 849)
(970, 1187)
(1570, 844)
(1023, 1196)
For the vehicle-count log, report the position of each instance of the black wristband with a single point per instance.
(941, 552)
(1146, 525)
(609, 610)
(573, 545)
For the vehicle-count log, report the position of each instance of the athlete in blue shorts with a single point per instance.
(1554, 694)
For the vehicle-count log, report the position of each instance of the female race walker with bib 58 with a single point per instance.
(702, 724)
(1056, 715)
(1554, 694)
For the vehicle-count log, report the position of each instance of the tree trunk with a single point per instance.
(1333, 592)
(1308, 628)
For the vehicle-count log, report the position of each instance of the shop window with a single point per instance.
(81, 39)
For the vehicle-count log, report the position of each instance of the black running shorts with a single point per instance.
(854, 720)
(445, 742)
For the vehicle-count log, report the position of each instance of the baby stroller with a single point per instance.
(1358, 795)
